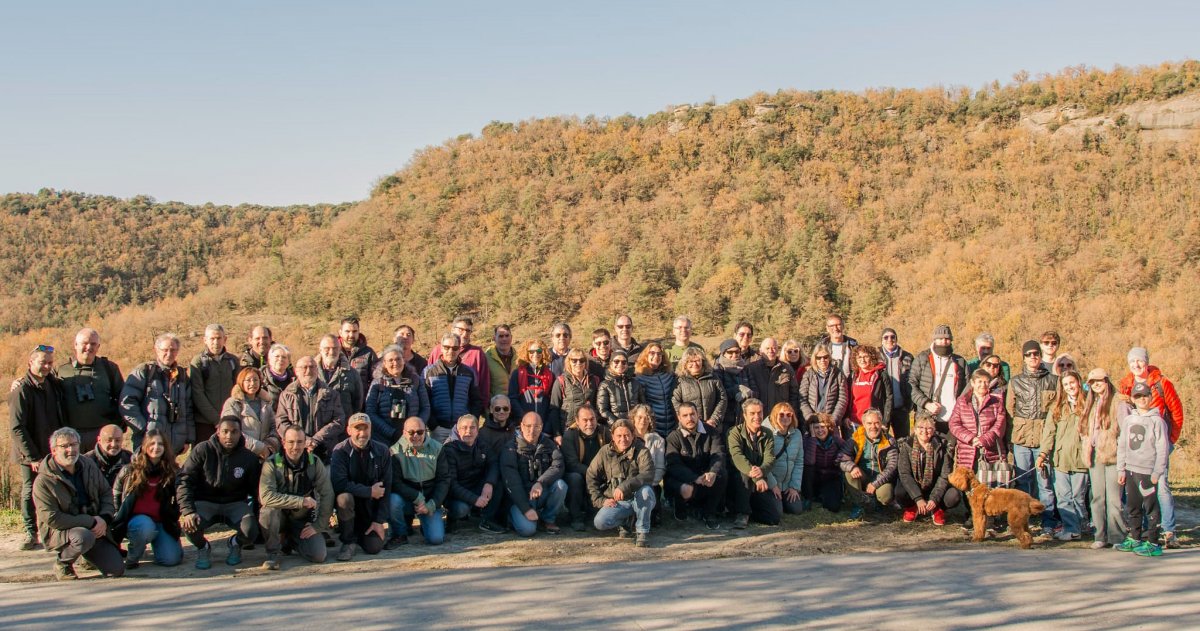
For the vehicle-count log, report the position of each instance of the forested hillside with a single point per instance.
(67, 256)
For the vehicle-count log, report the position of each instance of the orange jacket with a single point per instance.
(1162, 396)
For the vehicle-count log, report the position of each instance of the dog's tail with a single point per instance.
(1035, 506)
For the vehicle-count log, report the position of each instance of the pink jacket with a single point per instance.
(992, 428)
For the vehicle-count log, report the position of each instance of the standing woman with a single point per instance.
(619, 391)
(1062, 445)
(249, 401)
(1099, 431)
(791, 353)
(870, 387)
(994, 366)
(977, 422)
(277, 373)
(530, 383)
(786, 478)
(699, 386)
(147, 510)
(395, 395)
(574, 388)
(658, 384)
(823, 388)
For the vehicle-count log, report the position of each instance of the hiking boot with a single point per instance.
(272, 562)
(642, 540)
(132, 563)
(85, 565)
(30, 542)
(856, 512)
(910, 515)
(329, 542)
(1148, 549)
(1170, 541)
(346, 553)
(679, 510)
(711, 523)
(1128, 545)
(204, 557)
(549, 527)
(578, 525)
(939, 517)
(64, 571)
(396, 542)
(741, 522)
(622, 532)
(235, 552)
(491, 527)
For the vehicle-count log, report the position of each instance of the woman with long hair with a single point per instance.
(696, 384)
(1098, 430)
(1062, 446)
(870, 387)
(250, 401)
(531, 381)
(653, 371)
(147, 510)
(786, 477)
(573, 389)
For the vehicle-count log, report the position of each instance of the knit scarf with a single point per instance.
(922, 464)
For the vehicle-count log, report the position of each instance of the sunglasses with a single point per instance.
(500, 408)
(414, 432)
(786, 415)
(1033, 354)
(619, 362)
(992, 364)
(821, 358)
(577, 361)
(42, 348)
(624, 326)
(450, 348)
(601, 343)
(535, 350)
(889, 337)
(1049, 342)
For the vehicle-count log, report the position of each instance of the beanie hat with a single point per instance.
(943, 330)
(1138, 352)
(726, 345)
(1030, 346)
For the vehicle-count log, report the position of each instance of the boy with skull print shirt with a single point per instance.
(1141, 465)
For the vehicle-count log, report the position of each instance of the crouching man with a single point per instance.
(619, 480)
(74, 509)
(297, 500)
(216, 485)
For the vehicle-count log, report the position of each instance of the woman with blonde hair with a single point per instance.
(573, 389)
(786, 477)
(699, 386)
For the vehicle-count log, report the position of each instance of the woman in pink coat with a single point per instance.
(978, 423)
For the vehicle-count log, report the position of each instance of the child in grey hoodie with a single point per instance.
(1141, 463)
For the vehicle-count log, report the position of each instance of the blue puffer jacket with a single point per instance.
(387, 391)
(658, 387)
(445, 406)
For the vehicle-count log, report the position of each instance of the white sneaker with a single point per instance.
(1099, 545)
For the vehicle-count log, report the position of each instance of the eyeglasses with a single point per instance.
(450, 348)
(577, 360)
(889, 337)
(414, 432)
(42, 348)
(500, 408)
(65, 445)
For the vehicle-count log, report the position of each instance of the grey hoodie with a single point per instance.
(1142, 446)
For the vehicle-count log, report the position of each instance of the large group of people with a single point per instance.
(350, 448)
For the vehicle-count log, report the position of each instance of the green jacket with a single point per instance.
(53, 497)
(1060, 437)
(746, 451)
(279, 488)
(212, 380)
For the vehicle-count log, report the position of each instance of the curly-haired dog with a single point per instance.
(988, 502)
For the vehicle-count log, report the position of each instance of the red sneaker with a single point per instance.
(939, 517)
(910, 515)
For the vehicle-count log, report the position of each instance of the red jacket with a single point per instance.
(991, 428)
(1167, 401)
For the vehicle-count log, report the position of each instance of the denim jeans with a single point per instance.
(1166, 501)
(144, 531)
(1070, 490)
(640, 506)
(1023, 460)
(433, 526)
(547, 506)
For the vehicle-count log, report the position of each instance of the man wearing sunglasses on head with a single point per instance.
(36, 409)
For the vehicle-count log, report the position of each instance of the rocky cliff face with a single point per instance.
(1172, 120)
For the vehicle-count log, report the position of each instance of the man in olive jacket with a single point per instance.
(619, 481)
(297, 498)
(36, 410)
(752, 451)
(75, 509)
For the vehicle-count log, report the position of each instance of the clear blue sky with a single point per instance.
(298, 102)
